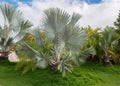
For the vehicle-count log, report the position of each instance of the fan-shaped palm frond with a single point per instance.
(64, 65)
(40, 59)
(30, 52)
(54, 22)
(74, 38)
(22, 30)
(83, 55)
(14, 27)
(108, 37)
(74, 19)
(61, 28)
(10, 14)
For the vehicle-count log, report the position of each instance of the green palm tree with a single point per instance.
(104, 42)
(109, 40)
(14, 27)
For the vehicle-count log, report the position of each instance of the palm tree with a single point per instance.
(64, 36)
(13, 29)
(109, 40)
(105, 42)
(62, 29)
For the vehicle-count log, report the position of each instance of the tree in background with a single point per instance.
(117, 24)
(104, 42)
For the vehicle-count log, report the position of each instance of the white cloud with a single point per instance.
(95, 15)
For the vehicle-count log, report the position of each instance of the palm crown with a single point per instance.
(14, 27)
(62, 29)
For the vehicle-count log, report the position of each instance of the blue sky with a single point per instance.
(93, 1)
(28, 1)
(16, 1)
(96, 13)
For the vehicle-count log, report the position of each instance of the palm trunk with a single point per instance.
(106, 59)
(58, 52)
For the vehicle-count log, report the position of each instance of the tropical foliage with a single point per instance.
(65, 41)
(104, 42)
(60, 43)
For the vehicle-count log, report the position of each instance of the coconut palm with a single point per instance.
(14, 27)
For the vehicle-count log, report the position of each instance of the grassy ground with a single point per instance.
(86, 75)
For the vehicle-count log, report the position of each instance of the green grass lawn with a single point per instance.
(88, 74)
